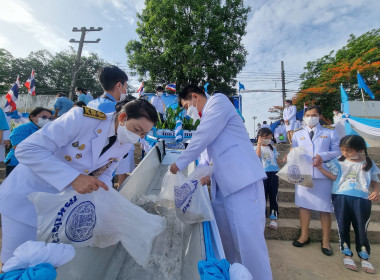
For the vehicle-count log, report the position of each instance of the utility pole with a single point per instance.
(283, 84)
(76, 67)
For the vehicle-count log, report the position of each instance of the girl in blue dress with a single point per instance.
(356, 185)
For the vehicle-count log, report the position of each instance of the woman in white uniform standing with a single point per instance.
(238, 197)
(79, 150)
(321, 144)
(289, 116)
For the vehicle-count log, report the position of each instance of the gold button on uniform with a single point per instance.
(81, 147)
(86, 171)
(68, 158)
(78, 156)
(99, 130)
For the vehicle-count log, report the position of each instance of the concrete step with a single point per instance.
(2, 172)
(289, 229)
(288, 210)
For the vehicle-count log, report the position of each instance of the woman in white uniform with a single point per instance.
(321, 144)
(289, 116)
(79, 150)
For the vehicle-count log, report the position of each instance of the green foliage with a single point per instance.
(323, 77)
(171, 117)
(52, 72)
(187, 41)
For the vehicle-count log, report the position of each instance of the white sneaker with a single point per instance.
(273, 224)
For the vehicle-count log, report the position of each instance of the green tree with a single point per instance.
(187, 41)
(52, 72)
(323, 77)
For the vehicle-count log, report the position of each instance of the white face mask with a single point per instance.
(354, 157)
(160, 93)
(311, 121)
(192, 112)
(126, 136)
(266, 141)
(335, 113)
(41, 122)
(287, 105)
(122, 96)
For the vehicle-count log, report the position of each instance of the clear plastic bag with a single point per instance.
(99, 219)
(297, 169)
(170, 180)
(191, 198)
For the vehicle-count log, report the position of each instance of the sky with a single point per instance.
(293, 31)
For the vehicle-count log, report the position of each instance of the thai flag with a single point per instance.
(171, 87)
(140, 91)
(31, 84)
(12, 97)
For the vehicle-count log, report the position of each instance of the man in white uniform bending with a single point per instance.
(237, 189)
(289, 116)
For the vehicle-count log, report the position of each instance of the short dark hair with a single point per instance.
(185, 94)
(61, 94)
(316, 107)
(110, 75)
(159, 88)
(38, 110)
(80, 104)
(288, 101)
(264, 122)
(140, 108)
(79, 89)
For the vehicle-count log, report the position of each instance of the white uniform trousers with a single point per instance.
(14, 234)
(241, 221)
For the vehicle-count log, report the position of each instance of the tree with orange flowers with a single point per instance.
(323, 77)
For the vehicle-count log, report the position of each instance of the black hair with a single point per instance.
(289, 101)
(80, 89)
(110, 75)
(140, 108)
(38, 110)
(119, 105)
(185, 94)
(265, 132)
(159, 88)
(80, 104)
(264, 122)
(357, 143)
(316, 107)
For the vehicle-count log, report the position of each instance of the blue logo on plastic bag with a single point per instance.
(81, 222)
(294, 174)
(181, 194)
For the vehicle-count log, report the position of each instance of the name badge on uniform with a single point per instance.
(324, 136)
(302, 138)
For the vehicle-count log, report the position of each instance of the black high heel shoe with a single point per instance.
(296, 243)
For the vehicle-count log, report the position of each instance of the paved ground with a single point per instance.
(308, 263)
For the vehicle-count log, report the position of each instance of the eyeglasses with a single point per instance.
(45, 117)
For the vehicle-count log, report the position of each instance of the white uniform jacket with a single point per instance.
(325, 143)
(289, 113)
(51, 158)
(223, 134)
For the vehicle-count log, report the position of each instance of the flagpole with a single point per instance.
(365, 104)
(27, 102)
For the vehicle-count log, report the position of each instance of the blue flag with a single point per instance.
(362, 85)
(241, 86)
(344, 97)
(205, 87)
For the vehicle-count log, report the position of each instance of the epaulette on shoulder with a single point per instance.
(328, 126)
(298, 129)
(92, 113)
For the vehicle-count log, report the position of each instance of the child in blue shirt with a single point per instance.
(269, 159)
(354, 175)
